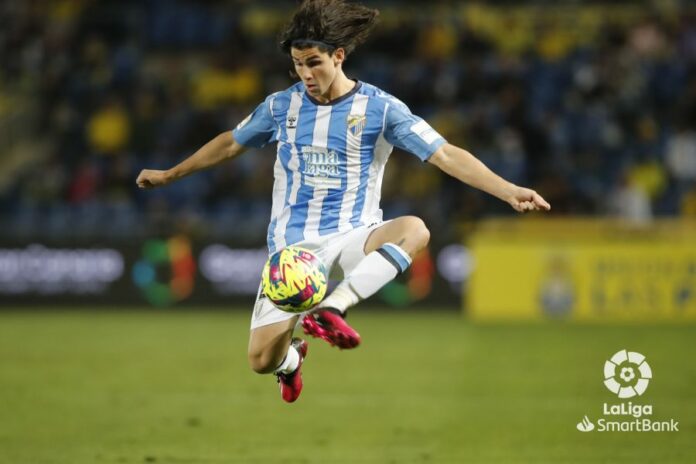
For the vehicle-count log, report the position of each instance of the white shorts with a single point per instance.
(340, 252)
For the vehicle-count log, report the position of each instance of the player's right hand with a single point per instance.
(149, 178)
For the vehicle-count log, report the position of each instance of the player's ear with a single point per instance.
(339, 56)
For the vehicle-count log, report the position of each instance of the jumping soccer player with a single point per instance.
(334, 136)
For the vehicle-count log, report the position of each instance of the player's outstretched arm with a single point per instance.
(464, 166)
(221, 148)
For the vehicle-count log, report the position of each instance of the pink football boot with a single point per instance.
(291, 384)
(330, 325)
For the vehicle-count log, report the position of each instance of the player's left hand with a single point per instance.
(524, 199)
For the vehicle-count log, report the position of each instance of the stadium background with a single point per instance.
(591, 103)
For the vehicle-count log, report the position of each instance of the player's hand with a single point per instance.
(149, 178)
(524, 199)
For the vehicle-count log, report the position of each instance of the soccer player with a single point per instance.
(334, 135)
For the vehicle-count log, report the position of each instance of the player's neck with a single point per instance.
(341, 86)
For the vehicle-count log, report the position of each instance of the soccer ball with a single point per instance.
(294, 279)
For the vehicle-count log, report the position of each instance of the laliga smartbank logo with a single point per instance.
(627, 375)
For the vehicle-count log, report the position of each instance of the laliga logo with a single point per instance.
(627, 374)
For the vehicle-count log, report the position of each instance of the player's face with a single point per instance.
(317, 69)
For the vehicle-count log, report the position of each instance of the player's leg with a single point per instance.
(388, 251)
(269, 345)
(272, 348)
(385, 253)
(407, 232)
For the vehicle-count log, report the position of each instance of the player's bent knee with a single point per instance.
(262, 363)
(424, 236)
(418, 232)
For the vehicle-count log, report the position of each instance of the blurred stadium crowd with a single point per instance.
(594, 105)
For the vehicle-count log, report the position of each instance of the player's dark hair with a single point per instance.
(328, 25)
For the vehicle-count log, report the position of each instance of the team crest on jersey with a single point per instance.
(292, 122)
(356, 123)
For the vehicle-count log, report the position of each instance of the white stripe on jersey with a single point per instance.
(353, 164)
(293, 166)
(320, 140)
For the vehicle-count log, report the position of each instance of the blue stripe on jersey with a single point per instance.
(269, 235)
(374, 112)
(338, 139)
(280, 107)
(294, 232)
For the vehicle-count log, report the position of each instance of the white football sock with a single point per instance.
(291, 361)
(372, 273)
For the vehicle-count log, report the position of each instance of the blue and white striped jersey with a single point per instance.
(331, 157)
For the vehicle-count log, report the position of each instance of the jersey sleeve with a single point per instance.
(259, 128)
(410, 132)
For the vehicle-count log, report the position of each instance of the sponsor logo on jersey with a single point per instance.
(320, 162)
(321, 167)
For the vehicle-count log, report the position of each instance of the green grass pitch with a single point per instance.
(123, 386)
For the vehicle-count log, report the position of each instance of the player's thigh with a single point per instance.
(408, 232)
(352, 250)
